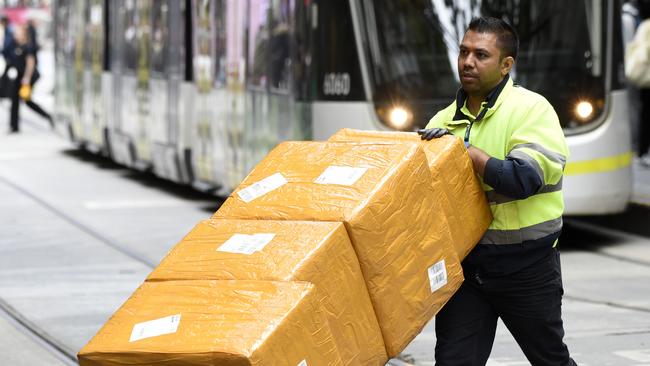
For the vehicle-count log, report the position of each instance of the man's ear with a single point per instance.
(506, 65)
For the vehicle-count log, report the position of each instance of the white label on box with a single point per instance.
(302, 363)
(246, 244)
(262, 187)
(342, 175)
(437, 275)
(152, 328)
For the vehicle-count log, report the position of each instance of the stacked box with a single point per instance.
(396, 223)
(469, 214)
(315, 252)
(226, 323)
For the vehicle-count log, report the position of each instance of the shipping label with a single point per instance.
(246, 244)
(153, 328)
(341, 175)
(437, 275)
(262, 187)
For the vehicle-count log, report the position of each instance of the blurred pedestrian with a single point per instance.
(24, 61)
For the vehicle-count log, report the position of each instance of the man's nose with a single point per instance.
(468, 61)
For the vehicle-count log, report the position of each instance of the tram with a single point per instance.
(198, 91)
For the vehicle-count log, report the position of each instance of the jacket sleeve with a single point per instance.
(536, 156)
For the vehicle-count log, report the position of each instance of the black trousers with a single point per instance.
(529, 302)
(14, 117)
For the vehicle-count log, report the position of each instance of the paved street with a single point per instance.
(79, 233)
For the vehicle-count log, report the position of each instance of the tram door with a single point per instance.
(93, 109)
(64, 64)
(165, 75)
(76, 29)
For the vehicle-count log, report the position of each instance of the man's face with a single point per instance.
(480, 67)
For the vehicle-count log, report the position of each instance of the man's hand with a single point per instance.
(433, 133)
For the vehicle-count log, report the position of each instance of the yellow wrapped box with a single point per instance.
(226, 323)
(468, 212)
(316, 252)
(383, 194)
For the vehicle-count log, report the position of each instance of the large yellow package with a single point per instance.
(383, 194)
(316, 252)
(226, 323)
(468, 212)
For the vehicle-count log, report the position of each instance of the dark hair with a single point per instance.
(507, 36)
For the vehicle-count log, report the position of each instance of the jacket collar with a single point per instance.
(491, 103)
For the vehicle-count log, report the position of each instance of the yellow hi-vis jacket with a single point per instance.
(521, 132)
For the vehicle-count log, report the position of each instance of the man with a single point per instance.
(516, 144)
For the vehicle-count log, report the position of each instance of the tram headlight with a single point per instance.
(584, 110)
(396, 117)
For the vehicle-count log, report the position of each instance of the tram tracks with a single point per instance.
(27, 327)
(78, 224)
(36, 334)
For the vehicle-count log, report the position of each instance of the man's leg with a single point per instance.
(465, 328)
(532, 311)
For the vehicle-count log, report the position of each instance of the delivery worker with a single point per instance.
(516, 144)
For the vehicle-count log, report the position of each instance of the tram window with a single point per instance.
(220, 43)
(338, 63)
(130, 50)
(279, 43)
(107, 35)
(65, 41)
(204, 38)
(94, 33)
(188, 49)
(258, 42)
(618, 67)
(159, 36)
(302, 49)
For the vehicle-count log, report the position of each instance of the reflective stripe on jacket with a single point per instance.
(519, 128)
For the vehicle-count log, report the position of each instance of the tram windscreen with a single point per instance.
(412, 46)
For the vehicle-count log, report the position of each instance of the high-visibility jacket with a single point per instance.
(523, 180)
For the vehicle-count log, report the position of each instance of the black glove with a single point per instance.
(433, 133)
